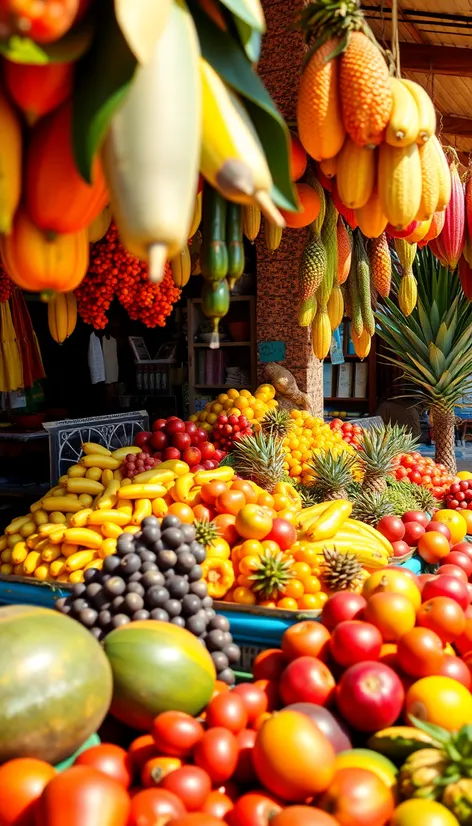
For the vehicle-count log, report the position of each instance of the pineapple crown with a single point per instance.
(339, 570)
(333, 471)
(456, 746)
(378, 447)
(309, 494)
(259, 457)
(205, 531)
(402, 496)
(273, 573)
(276, 422)
(371, 506)
(321, 20)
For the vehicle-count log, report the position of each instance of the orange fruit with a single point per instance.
(249, 492)
(252, 521)
(251, 547)
(288, 603)
(393, 614)
(454, 521)
(265, 500)
(311, 584)
(467, 515)
(231, 501)
(294, 589)
(441, 701)
(244, 596)
(183, 512)
(225, 525)
(394, 581)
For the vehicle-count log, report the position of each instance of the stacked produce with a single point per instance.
(236, 402)
(421, 470)
(173, 439)
(307, 436)
(376, 695)
(348, 431)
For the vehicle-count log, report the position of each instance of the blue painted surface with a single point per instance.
(19, 593)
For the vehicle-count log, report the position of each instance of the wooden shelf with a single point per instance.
(204, 345)
(345, 399)
(233, 298)
(367, 403)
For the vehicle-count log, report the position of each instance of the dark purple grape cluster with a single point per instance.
(155, 575)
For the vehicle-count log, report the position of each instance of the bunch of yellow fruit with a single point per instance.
(308, 435)
(237, 402)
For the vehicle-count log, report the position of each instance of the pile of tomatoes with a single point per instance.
(350, 432)
(421, 470)
(172, 438)
(459, 495)
(433, 539)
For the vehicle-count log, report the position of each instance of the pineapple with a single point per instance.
(272, 575)
(425, 501)
(259, 457)
(332, 474)
(206, 532)
(277, 422)
(308, 494)
(371, 506)
(341, 572)
(378, 447)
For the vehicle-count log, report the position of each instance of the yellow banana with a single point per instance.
(85, 486)
(122, 452)
(181, 266)
(62, 316)
(100, 460)
(109, 497)
(308, 516)
(232, 158)
(368, 530)
(93, 448)
(10, 163)
(197, 216)
(64, 503)
(331, 521)
(426, 112)
(403, 126)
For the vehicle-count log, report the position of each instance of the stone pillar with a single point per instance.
(277, 273)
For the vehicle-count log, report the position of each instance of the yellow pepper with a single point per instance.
(218, 575)
(218, 474)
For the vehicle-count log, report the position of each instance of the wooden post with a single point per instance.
(277, 273)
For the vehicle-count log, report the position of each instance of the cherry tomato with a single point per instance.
(176, 733)
(218, 805)
(227, 711)
(83, 795)
(245, 773)
(151, 806)
(154, 771)
(255, 809)
(269, 664)
(191, 784)
(254, 699)
(217, 754)
(141, 750)
(109, 759)
(21, 783)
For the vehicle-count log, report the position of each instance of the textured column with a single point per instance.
(277, 273)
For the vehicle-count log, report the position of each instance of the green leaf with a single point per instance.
(437, 733)
(102, 80)
(250, 40)
(141, 22)
(66, 50)
(249, 11)
(227, 58)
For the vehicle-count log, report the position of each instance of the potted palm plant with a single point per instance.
(432, 347)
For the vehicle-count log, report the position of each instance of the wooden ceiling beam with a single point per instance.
(408, 25)
(454, 125)
(440, 60)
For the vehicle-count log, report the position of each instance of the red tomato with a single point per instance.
(392, 528)
(457, 669)
(451, 570)
(457, 558)
(420, 653)
(255, 809)
(306, 639)
(218, 805)
(271, 690)
(370, 696)
(254, 699)
(358, 796)
(22, 782)
(415, 516)
(303, 816)
(340, 607)
(463, 547)
(176, 733)
(444, 616)
(283, 532)
(269, 664)
(227, 711)
(109, 759)
(464, 642)
(447, 586)
(307, 680)
(217, 754)
(84, 795)
(152, 806)
(191, 784)
(245, 773)
(439, 527)
(413, 533)
(354, 641)
(141, 750)
(433, 546)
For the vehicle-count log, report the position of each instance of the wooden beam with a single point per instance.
(410, 27)
(440, 60)
(453, 125)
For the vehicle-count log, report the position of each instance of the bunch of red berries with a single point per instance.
(6, 285)
(228, 429)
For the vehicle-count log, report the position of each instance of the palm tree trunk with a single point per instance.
(444, 423)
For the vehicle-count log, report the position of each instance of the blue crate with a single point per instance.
(44, 595)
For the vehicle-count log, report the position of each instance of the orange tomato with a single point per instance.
(308, 555)
(203, 512)
(389, 579)
(312, 602)
(265, 500)
(157, 768)
(289, 515)
(211, 491)
(439, 700)
(230, 501)
(271, 546)
(246, 487)
(281, 502)
(251, 547)
(225, 525)
(244, 596)
(311, 584)
(288, 604)
(268, 603)
(294, 589)
(454, 521)
(183, 512)
(245, 581)
(252, 521)
(218, 549)
(248, 565)
(432, 546)
(467, 515)
(393, 614)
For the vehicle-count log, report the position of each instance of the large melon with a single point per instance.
(55, 684)
(157, 666)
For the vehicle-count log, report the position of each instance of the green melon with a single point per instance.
(156, 667)
(55, 684)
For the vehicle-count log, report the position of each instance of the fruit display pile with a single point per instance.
(421, 470)
(237, 402)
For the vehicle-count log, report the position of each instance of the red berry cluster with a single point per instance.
(348, 431)
(114, 272)
(173, 438)
(229, 428)
(6, 285)
(413, 467)
(459, 495)
(136, 463)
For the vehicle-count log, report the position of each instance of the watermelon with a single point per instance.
(55, 684)
(156, 667)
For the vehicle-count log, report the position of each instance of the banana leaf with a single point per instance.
(141, 22)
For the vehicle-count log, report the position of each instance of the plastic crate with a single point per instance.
(21, 591)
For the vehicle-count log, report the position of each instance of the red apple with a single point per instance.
(181, 441)
(439, 527)
(159, 440)
(354, 641)
(459, 559)
(447, 586)
(175, 426)
(141, 439)
(370, 696)
(416, 516)
(159, 424)
(171, 453)
(342, 606)
(306, 680)
(413, 532)
(191, 456)
(201, 434)
(207, 449)
(400, 548)
(190, 427)
(392, 528)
